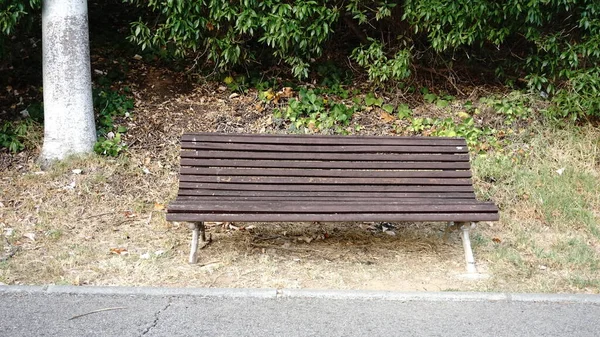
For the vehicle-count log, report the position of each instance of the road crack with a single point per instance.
(156, 318)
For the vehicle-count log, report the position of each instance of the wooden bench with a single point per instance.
(298, 178)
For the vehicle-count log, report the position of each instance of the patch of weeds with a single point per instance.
(13, 135)
(441, 101)
(583, 282)
(575, 252)
(111, 105)
(314, 112)
(54, 234)
(510, 255)
(479, 240)
(513, 107)
(478, 138)
(371, 100)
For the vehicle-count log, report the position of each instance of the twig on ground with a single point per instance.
(207, 263)
(287, 248)
(97, 215)
(96, 311)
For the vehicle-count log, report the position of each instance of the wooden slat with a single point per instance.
(328, 194)
(326, 148)
(325, 200)
(324, 156)
(432, 165)
(322, 173)
(324, 181)
(320, 139)
(342, 188)
(352, 217)
(294, 207)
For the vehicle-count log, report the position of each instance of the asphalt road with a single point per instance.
(159, 312)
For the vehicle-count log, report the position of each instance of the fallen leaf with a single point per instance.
(234, 95)
(137, 57)
(286, 92)
(496, 240)
(463, 115)
(129, 214)
(159, 207)
(118, 251)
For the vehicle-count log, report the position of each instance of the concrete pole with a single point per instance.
(69, 126)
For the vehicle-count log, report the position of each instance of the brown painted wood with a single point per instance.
(324, 181)
(324, 156)
(433, 165)
(325, 148)
(329, 194)
(320, 139)
(322, 173)
(340, 188)
(327, 200)
(295, 207)
(244, 177)
(351, 217)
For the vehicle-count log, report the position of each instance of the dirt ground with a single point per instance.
(101, 221)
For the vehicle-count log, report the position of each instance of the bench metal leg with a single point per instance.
(197, 234)
(470, 260)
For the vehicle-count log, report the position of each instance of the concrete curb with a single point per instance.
(270, 293)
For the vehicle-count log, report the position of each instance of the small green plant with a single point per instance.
(313, 112)
(371, 100)
(110, 146)
(111, 105)
(404, 111)
(14, 135)
(513, 107)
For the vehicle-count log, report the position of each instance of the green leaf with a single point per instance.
(430, 98)
(388, 108)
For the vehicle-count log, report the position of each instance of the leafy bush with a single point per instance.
(549, 45)
(579, 97)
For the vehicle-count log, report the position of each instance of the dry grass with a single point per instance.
(106, 226)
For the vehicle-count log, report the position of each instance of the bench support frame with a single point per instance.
(464, 228)
(198, 235)
(469, 259)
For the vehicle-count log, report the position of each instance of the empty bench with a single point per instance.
(306, 178)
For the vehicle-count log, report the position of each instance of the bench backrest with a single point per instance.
(300, 167)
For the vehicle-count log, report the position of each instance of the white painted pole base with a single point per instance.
(470, 260)
(198, 234)
(68, 108)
